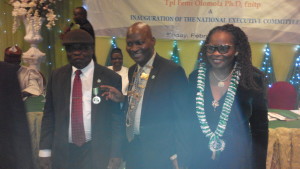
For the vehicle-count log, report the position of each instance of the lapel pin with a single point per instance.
(153, 76)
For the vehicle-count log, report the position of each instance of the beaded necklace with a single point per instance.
(216, 145)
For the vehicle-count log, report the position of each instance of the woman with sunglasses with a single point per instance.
(229, 101)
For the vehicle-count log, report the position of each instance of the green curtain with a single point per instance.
(51, 44)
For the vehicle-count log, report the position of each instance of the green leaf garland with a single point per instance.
(216, 145)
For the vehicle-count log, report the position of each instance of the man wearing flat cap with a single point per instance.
(80, 129)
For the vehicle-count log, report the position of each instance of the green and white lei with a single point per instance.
(216, 144)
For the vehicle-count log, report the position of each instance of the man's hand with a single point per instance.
(45, 162)
(111, 93)
(114, 163)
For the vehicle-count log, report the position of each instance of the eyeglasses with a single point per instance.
(220, 48)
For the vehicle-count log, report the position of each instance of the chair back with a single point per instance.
(282, 95)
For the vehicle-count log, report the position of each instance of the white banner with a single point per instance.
(262, 20)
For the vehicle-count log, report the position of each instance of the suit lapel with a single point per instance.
(152, 78)
(67, 87)
(97, 81)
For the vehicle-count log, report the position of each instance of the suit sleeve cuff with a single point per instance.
(173, 157)
(45, 153)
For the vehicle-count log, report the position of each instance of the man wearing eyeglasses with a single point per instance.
(80, 129)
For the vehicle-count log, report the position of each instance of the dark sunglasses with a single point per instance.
(81, 47)
(220, 48)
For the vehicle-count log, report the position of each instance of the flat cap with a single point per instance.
(77, 36)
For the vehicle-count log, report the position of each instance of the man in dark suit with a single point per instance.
(15, 145)
(156, 105)
(80, 18)
(98, 146)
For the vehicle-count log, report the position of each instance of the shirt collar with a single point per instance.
(150, 61)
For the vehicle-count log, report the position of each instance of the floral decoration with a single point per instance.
(144, 76)
(36, 9)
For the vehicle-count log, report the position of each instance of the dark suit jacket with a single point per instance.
(106, 119)
(87, 26)
(246, 134)
(163, 108)
(15, 145)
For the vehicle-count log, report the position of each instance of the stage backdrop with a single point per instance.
(262, 20)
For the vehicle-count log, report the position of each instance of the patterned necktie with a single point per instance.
(134, 97)
(78, 134)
